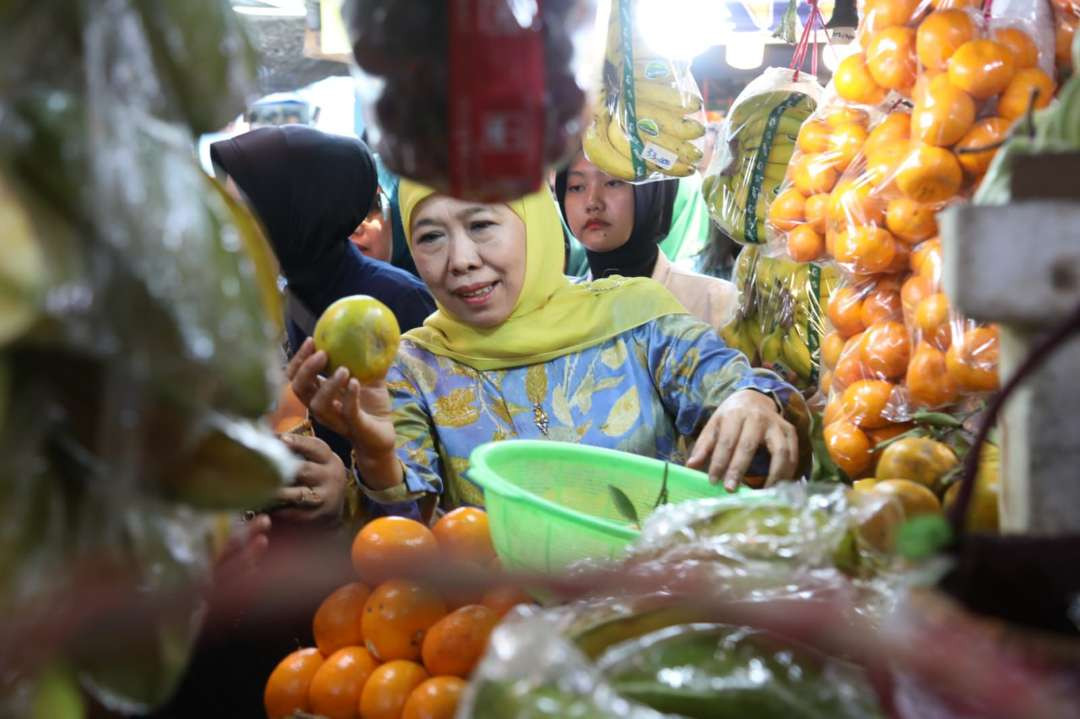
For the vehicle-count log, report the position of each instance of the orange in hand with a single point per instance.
(854, 82)
(389, 688)
(456, 642)
(1028, 87)
(981, 68)
(929, 174)
(940, 35)
(392, 546)
(436, 698)
(984, 133)
(339, 619)
(335, 688)
(286, 690)
(397, 616)
(890, 58)
(849, 447)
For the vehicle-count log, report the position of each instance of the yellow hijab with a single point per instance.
(553, 317)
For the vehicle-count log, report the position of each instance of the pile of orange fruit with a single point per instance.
(388, 646)
(893, 146)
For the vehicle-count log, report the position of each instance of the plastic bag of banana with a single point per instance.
(648, 118)
(752, 157)
(779, 321)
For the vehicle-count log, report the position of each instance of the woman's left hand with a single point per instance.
(319, 493)
(741, 424)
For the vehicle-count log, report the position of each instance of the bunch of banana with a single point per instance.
(779, 321)
(758, 143)
(659, 111)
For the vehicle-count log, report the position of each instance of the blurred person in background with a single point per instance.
(621, 226)
(374, 237)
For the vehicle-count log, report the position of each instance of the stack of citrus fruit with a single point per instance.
(911, 128)
(388, 646)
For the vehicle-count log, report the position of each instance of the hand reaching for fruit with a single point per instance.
(359, 412)
(318, 497)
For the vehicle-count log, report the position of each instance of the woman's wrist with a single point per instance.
(379, 472)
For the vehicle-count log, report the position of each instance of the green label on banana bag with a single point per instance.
(757, 175)
(649, 127)
(813, 322)
(626, 21)
(655, 70)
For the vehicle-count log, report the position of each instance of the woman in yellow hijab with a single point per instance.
(516, 350)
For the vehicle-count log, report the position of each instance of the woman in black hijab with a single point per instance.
(311, 189)
(621, 225)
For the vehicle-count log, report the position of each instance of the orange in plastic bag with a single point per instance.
(940, 35)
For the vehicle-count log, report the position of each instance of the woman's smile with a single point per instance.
(476, 295)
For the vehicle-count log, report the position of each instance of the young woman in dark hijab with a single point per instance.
(620, 226)
(311, 190)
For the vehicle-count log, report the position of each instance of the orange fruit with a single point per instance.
(825, 381)
(286, 690)
(878, 15)
(1063, 39)
(878, 517)
(436, 698)
(787, 210)
(463, 534)
(456, 642)
(983, 133)
(914, 497)
(805, 245)
(910, 221)
(854, 82)
(813, 137)
(866, 248)
(981, 68)
(288, 407)
(896, 127)
(928, 380)
(849, 447)
(883, 434)
(360, 334)
(890, 58)
(1024, 51)
(845, 311)
(942, 113)
(335, 688)
(849, 370)
(939, 36)
(845, 115)
(845, 141)
(886, 350)
(831, 346)
(504, 598)
(900, 260)
(1016, 98)
(812, 174)
(973, 360)
(947, 4)
(338, 621)
(929, 174)
(388, 689)
(392, 546)
(914, 289)
(833, 412)
(397, 615)
(927, 260)
(854, 202)
(865, 402)
(881, 304)
(932, 320)
(816, 211)
(883, 162)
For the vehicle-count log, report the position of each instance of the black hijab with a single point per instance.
(654, 203)
(310, 189)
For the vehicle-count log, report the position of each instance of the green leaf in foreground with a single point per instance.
(624, 506)
(923, 536)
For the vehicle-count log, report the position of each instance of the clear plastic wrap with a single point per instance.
(751, 159)
(145, 347)
(477, 99)
(779, 322)
(648, 120)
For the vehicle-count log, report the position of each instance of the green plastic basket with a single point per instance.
(548, 503)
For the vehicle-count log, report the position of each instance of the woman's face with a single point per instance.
(599, 208)
(374, 236)
(472, 257)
